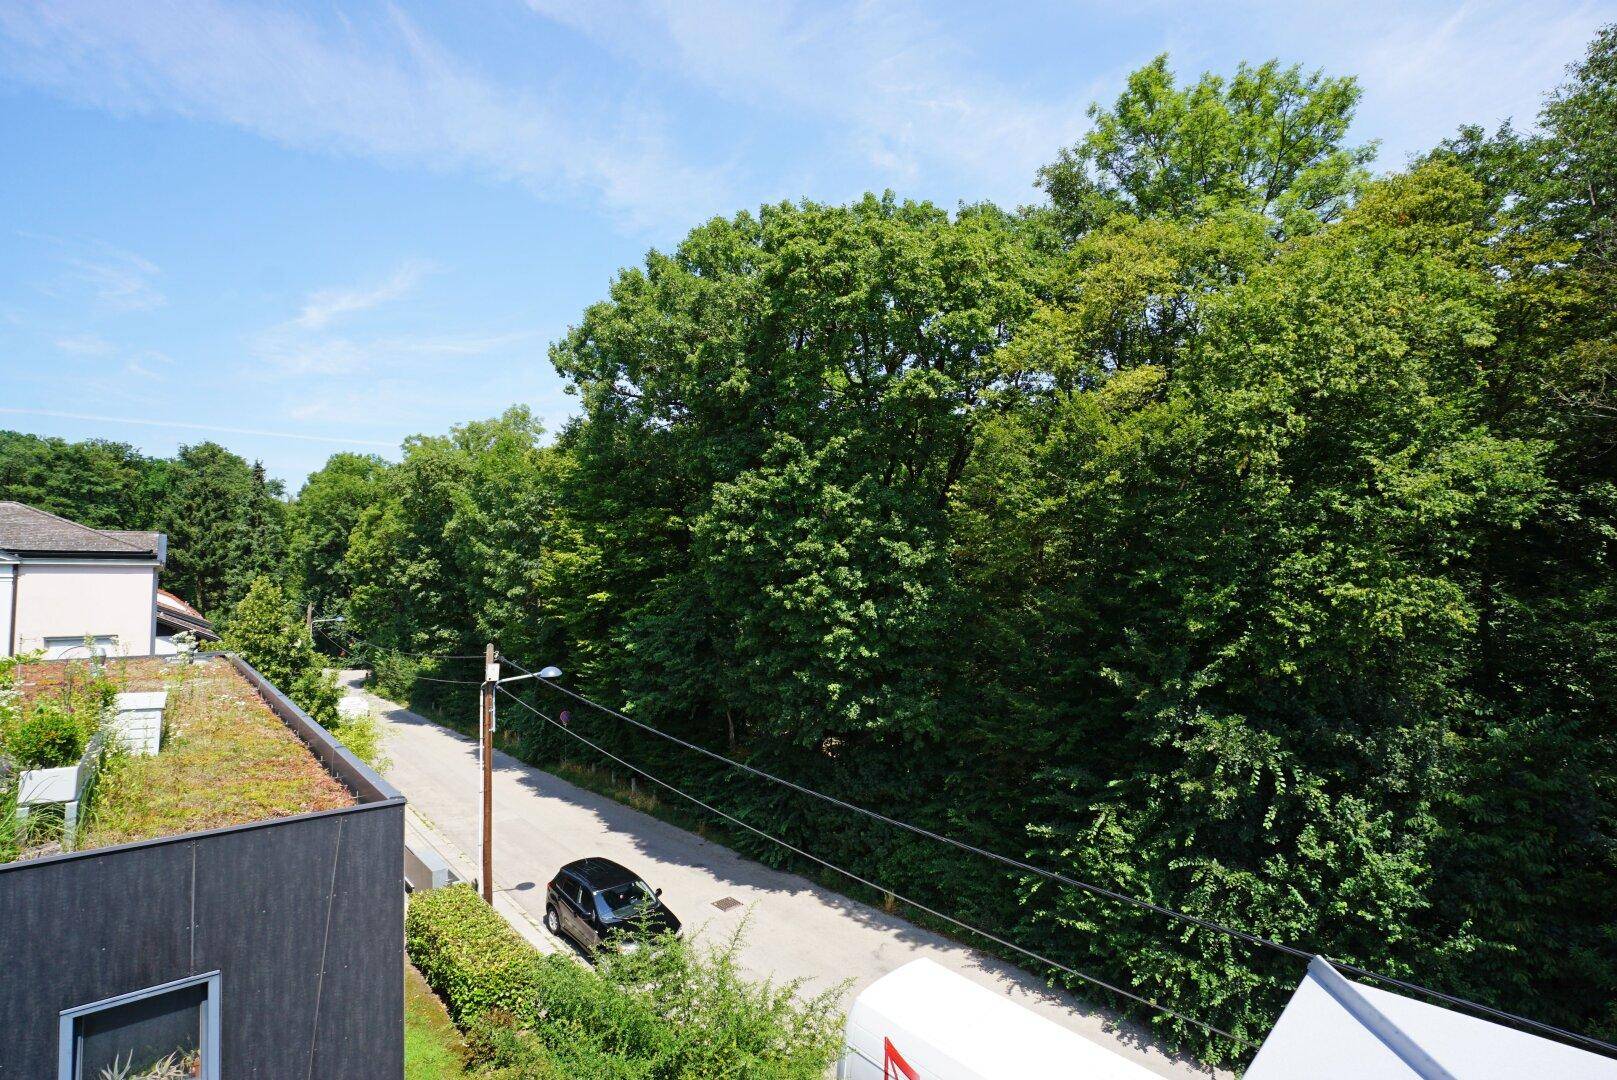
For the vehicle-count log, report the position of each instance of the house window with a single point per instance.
(169, 1031)
(80, 648)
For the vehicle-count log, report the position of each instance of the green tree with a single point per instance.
(835, 358)
(103, 484)
(451, 552)
(1270, 141)
(201, 521)
(225, 526)
(259, 542)
(321, 521)
(264, 631)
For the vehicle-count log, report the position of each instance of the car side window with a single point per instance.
(574, 892)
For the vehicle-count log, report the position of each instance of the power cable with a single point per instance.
(414, 675)
(404, 652)
(882, 888)
(1110, 894)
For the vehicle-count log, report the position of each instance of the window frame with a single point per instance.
(67, 1051)
(59, 652)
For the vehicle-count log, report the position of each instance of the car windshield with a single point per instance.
(622, 901)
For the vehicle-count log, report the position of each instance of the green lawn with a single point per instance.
(432, 1047)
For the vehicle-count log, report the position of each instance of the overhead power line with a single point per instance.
(1098, 890)
(1204, 1025)
(412, 655)
(414, 675)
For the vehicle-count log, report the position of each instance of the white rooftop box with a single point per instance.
(138, 720)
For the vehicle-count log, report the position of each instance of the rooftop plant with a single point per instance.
(45, 736)
(54, 728)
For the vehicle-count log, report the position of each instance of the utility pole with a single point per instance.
(491, 679)
(491, 683)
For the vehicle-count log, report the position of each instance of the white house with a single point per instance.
(62, 582)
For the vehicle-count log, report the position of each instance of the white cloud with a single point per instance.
(148, 365)
(119, 281)
(288, 351)
(83, 345)
(307, 344)
(1427, 72)
(322, 307)
(394, 95)
(1425, 66)
(904, 91)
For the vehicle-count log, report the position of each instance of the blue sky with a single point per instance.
(305, 228)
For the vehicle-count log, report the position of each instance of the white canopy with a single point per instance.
(1337, 1029)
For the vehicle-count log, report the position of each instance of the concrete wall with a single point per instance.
(74, 599)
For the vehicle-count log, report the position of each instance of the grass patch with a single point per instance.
(642, 797)
(226, 760)
(433, 1048)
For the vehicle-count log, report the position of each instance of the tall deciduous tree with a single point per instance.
(328, 507)
(777, 412)
(1270, 140)
(103, 484)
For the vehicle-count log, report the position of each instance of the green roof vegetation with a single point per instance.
(226, 760)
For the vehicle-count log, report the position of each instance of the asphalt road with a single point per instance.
(796, 930)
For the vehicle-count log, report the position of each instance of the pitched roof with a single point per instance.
(27, 531)
(167, 599)
(175, 614)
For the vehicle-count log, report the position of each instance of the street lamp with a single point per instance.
(546, 673)
(492, 682)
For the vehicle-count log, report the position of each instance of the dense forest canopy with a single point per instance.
(1234, 530)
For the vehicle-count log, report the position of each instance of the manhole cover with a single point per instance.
(729, 903)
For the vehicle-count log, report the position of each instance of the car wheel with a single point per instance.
(552, 923)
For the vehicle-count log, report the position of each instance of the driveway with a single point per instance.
(797, 929)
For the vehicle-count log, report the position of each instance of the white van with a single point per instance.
(924, 1022)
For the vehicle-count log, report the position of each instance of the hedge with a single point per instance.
(670, 1010)
(469, 955)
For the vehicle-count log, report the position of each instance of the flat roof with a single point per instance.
(237, 752)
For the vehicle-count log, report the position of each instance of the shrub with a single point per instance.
(469, 955)
(46, 736)
(670, 1009)
(11, 830)
(393, 676)
(363, 736)
(263, 631)
(317, 692)
(88, 695)
(10, 697)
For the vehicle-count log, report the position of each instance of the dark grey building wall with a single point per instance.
(302, 916)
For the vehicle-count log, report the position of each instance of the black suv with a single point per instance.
(594, 900)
